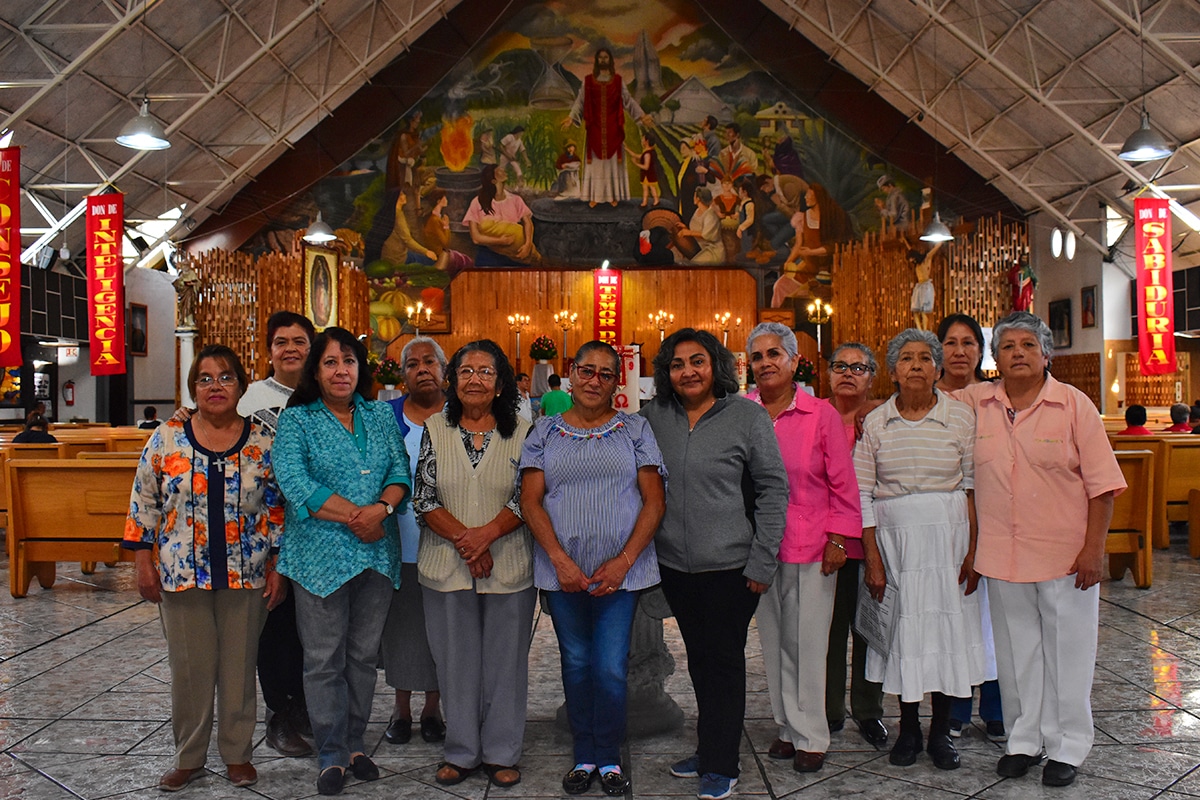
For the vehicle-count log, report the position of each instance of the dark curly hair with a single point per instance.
(504, 407)
(309, 389)
(724, 372)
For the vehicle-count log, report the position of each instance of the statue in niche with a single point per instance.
(187, 292)
(1023, 281)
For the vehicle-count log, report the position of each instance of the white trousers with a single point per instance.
(1045, 660)
(793, 625)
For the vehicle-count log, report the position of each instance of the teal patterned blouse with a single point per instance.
(316, 457)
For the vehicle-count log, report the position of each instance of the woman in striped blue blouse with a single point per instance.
(592, 495)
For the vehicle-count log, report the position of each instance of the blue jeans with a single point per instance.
(593, 640)
(340, 634)
(989, 704)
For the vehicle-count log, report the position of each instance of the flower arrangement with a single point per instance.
(805, 371)
(543, 349)
(386, 371)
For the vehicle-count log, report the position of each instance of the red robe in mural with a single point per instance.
(601, 106)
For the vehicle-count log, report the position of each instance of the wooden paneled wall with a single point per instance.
(238, 293)
(873, 283)
(482, 300)
(1081, 370)
(1155, 390)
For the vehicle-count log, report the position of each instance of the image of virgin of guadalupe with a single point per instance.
(322, 295)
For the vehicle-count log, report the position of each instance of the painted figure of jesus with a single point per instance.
(601, 105)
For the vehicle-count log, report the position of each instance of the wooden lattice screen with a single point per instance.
(1155, 390)
(1081, 370)
(873, 283)
(239, 292)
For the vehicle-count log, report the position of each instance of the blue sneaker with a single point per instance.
(688, 767)
(715, 787)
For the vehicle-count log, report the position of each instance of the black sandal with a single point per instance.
(506, 782)
(450, 774)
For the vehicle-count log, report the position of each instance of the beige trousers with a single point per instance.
(793, 625)
(212, 644)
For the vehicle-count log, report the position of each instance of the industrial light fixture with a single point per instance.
(143, 131)
(319, 232)
(1144, 144)
(937, 230)
(6, 137)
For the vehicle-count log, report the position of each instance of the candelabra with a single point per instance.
(819, 313)
(661, 320)
(723, 325)
(515, 323)
(414, 315)
(565, 320)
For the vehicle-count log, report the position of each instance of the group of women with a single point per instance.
(769, 503)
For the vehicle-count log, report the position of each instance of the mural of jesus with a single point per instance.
(601, 105)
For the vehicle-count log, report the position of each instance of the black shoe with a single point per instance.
(284, 737)
(904, 751)
(1056, 773)
(1015, 765)
(578, 781)
(331, 780)
(943, 752)
(433, 729)
(614, 784)
(836, 725)
(873, 730)
(364, 768)
(399, 731)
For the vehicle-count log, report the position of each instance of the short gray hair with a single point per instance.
(909, 336)
(438, 353)
(1023, 321)
(1180, 413)
(787, 337)
(860, 347)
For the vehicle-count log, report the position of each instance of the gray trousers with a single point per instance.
(212, 644)
(480, 643)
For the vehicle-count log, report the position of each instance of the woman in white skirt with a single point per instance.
(915, 477)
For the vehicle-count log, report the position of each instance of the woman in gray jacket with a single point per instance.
(717, 544)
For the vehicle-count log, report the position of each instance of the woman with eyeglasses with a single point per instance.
(851, 374)
(592, 494)
(343, 468)
(204, 522)
(475, 564)
(823, 516)
(727, 502)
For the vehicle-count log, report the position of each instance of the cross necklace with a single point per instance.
(222, 453)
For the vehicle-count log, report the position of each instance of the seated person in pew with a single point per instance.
(1135, 422)
(1179, 419)
(1194, 418)
(37, 431)
(150, 419)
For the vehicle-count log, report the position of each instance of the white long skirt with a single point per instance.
(605, 180)
(938, 642)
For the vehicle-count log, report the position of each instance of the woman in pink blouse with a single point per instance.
(823, 512)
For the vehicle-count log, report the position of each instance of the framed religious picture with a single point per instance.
(1060, 323)
(138, 329)
(1087, 307)
(321, 286)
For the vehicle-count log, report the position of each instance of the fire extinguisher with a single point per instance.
(68, 392)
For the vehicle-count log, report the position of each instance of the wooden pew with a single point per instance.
(64, 510)
(1128, 543)
(1157, 500)
(109, 455)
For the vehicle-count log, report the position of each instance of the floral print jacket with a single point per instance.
(170, 502)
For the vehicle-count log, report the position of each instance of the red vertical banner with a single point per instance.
(106, 283)
(607, 294)
(1155, 296)
(10, 257)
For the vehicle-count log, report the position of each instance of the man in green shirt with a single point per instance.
(556, 400)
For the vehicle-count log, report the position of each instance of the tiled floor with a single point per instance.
(84, 713)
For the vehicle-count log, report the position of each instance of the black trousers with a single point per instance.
(281, 658)
(714, 610)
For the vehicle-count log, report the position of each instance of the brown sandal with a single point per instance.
(450, 774)
(503, 777)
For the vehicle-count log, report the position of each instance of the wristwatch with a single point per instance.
(391, 509)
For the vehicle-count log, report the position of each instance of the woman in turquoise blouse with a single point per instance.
(342, 466)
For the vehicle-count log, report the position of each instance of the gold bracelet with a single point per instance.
(627, 559)
(838, 545)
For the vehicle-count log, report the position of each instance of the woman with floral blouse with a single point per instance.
(211, 473)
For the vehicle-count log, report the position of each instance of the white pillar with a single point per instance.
(187, 352)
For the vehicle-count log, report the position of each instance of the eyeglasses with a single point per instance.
(485, 374)
(587, 373)
(224, 379)
(841, 367)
